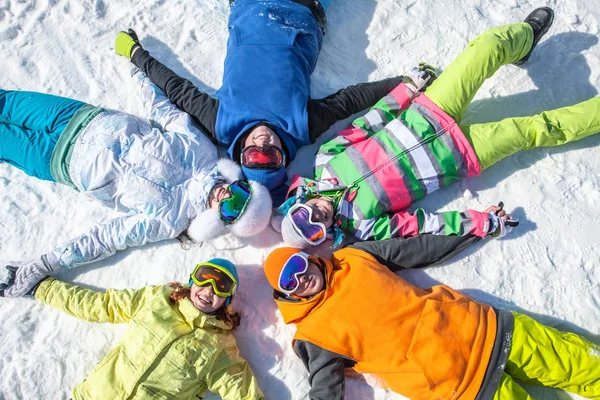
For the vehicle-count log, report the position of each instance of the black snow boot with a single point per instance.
(540, 20)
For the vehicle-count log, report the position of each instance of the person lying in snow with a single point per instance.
(178, 344)
(165, 176)
(263, 112)
(351, 311)
(410, 144)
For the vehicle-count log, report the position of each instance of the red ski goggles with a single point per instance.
(223, 282)
(269, 156)
(232, 208)
(295, 266)
(314, 233)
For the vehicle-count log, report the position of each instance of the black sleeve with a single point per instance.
(326, 370)
(325, 112)
(417, 251)
(199, 105)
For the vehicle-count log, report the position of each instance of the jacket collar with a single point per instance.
(197, 318)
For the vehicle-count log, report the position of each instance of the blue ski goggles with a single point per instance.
(294, 267)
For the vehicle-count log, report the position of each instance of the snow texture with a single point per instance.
(547, 268)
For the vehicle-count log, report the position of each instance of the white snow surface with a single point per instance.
(547, 268)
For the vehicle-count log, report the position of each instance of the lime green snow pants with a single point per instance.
(457, 85)
(541, 355)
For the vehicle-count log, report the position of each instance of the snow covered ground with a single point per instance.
(549, 268)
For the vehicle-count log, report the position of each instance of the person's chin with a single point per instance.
(205, 308)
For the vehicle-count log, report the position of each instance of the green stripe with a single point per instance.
(333, 146)
(318, 173)
(452, 223)
(405, 164)
(347, 173)
(61, 155)
(382, 229)
(442, 154)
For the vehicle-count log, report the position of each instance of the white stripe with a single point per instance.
(423, 163)
(364, 228)
(431, 223)
(374, 120)
(322, 159)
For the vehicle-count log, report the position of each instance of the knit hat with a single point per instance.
(275, 262)
(271, 178)
(290, 235)
(254, 219)
(230, 267)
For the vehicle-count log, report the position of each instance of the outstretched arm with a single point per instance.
(405, 224)
(416, 252)
(493, 221)
(325, 112)
(105, 240)
(163, 112)
(100, 242)
(114, 306)
(325, 368)
(201, 107)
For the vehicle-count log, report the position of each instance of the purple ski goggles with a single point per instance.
(295, 266)
(314, 233)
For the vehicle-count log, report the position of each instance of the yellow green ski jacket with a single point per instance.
(169, 351)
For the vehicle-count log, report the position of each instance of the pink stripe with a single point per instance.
(460, 141)
(408, 224)
(480, 221)
(353, 134)
(297, 181)
(389, 177)
(403, 95)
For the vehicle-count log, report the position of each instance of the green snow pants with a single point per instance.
(541, 355)
(457, 85)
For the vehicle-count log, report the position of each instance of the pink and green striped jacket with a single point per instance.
(394, 155)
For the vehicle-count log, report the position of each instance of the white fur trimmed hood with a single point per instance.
(254, 220)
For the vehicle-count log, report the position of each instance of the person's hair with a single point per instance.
(223, 314)
(184, 240)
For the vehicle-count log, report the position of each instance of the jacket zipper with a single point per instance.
(416, 146)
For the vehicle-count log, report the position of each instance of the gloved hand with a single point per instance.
(23, 277)
(419, 78)
(125, 42)
(501, 223)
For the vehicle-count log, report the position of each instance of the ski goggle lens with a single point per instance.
(313, 232)
(231, 208)
(255, 156)
(223, 283)
(296, 265)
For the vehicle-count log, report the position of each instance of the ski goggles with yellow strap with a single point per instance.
(223, 282)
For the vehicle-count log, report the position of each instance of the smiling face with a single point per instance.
(262, 136)
(204, 298)
(322, 209)
(218, 193)
(311, 282)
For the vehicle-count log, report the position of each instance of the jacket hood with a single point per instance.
(207, 224)
(289, 143)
